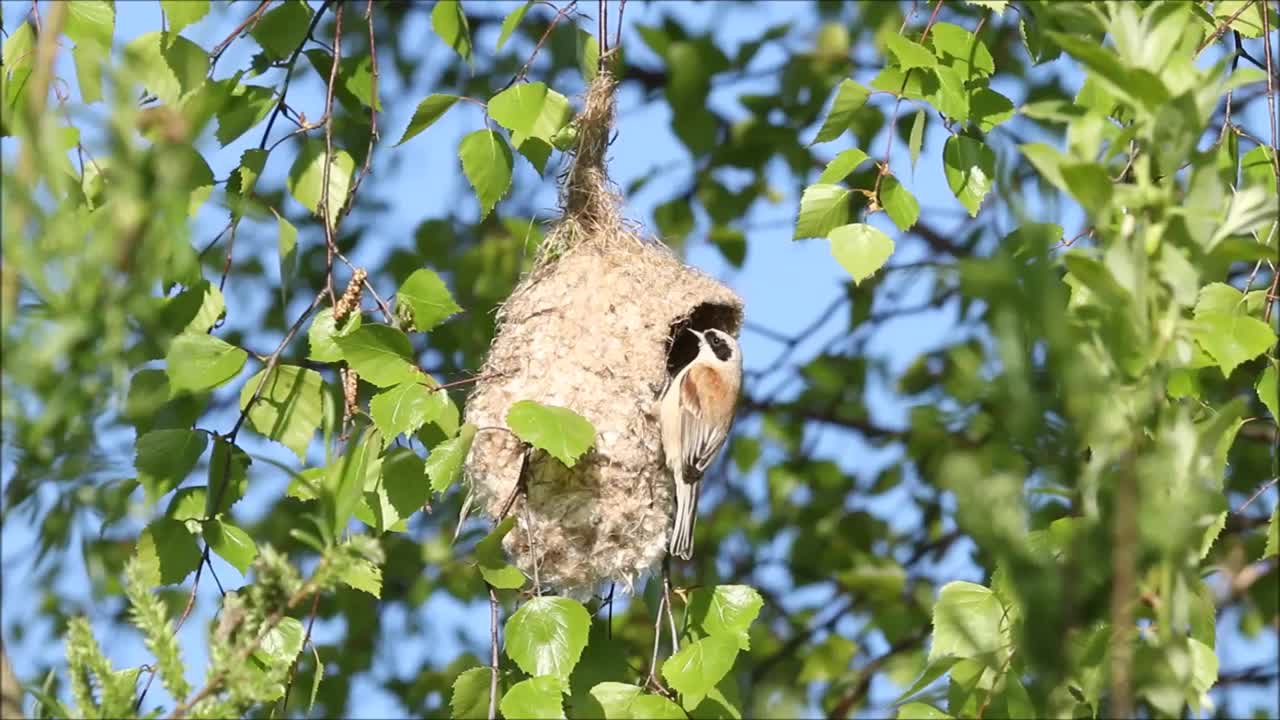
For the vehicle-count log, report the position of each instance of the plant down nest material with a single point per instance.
(596, 326)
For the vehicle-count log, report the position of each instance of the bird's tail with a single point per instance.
(686, 516)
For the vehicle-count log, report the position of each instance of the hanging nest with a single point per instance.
(596, 326)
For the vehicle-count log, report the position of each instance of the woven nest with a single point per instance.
(597, 327)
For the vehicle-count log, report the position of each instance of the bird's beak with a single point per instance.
(700, 336)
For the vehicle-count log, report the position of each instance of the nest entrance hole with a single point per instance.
(682, 347)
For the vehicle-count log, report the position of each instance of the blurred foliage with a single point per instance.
(1096, 435)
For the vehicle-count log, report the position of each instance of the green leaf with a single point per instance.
(899, 203)
(932, 671)
(165, 457)
(621, 701)
(168, 65)
(950, 96)
(849, 98)
(243, 180)
(699, 666)
(841, 166)
(406, 407)
(989, 108)
(530, 110)
(231, 543)
(181, 13)
(823, 208)
(226, 482)
(166, 544)
(1047, 161)
(427, 298)
(306, 180)
(968, 622)
(381, 354)
(959, 49)
(726, 611)
(546, 636)
(195, 309)
(509, 24)
(588, 54)
(909, 54)
(283, 29)
(470, 698)
(90, 58)
(290, 407)
(188, 503)
(444, 463)
(197, 362)
(450, 23)
(322, 334)
(916, 140)
(345, 478)
(1251, 210)
(1088, 183)
(282, 643)
(731, 242)
(429, 110)
(919, 710)
(487, 163)
(537, 697)
(404, 484)
(88, 21)
(860, 249)
(1224, 330)
(365, 577)
(970, 168)
(1248, 23)
(828, 660)
(247, 106)
(1268, 392)
(287, 249)
(492, 561)
(561, 432)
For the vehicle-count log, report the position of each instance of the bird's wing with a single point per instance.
(703, 423)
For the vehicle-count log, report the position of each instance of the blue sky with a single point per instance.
(785, 285)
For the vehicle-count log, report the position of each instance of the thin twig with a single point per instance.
(221, 47)
(288, 73)
(652, 680)
(327, 216)
(1272, 293)
(666, 594)
(617, 36)
(1257, 493)
(524, 69)
(373, 109)
(1217, 32)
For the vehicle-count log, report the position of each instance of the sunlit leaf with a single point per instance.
(546, 636)
(564, 434)
(860, 249)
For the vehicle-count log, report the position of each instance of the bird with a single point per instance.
(696, 412)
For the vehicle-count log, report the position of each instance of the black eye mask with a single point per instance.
(719, 347)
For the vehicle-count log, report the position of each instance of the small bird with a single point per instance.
(696, 413)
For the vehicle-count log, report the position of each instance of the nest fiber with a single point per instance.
(590, 328)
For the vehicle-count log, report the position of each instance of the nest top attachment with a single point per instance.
(595, 328)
